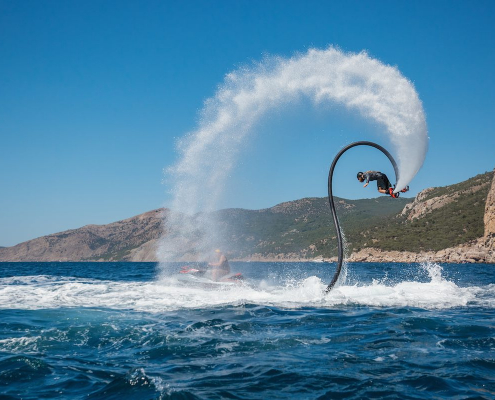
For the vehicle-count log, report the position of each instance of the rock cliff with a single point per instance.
(490, 212)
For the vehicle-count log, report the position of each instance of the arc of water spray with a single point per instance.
(332, 204)
(378, 92)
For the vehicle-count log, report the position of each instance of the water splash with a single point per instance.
(438, 293)
(376, 91)
(37, 292)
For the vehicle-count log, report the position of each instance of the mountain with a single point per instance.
(443, 224)
(454, 223)
(289, 229)
(132, 238)
(301, 229)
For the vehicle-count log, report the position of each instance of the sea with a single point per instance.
(139, 331)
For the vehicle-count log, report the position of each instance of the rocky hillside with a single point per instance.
(439, 218)
(130, 239)
(449, 224)
(489, 218)
(292, 230)
(301, 229)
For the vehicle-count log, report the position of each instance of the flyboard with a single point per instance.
(202, 277)
(396, 195)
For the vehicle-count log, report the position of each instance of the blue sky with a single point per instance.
(94, 95)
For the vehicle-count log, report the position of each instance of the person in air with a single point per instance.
(220, 268)
(383, 184)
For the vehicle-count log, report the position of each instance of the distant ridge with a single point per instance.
(132, 238)
(444, 224)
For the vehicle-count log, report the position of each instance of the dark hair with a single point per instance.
(359, 175)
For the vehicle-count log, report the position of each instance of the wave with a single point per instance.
(48, 292)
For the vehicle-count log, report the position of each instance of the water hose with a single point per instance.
(332, 204)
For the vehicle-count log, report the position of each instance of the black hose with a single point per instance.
(332, 204)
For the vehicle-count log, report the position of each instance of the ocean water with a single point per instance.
(136, 331)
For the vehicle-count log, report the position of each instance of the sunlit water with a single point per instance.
(124, 331)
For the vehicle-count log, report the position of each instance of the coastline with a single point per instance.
(480, 251)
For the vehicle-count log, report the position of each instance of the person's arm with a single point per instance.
(367, 179)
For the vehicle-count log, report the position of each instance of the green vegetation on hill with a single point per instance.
(450, 225)
(304, 228)
(437, 219)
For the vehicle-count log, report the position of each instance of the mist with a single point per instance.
(362, 84)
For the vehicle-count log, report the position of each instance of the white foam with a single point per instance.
(39, 292)
(361, 83)
(20, 344)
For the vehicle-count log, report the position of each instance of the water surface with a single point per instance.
(135, 331)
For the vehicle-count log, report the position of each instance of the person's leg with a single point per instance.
(389, 188)
(386, 182)
(381, 185)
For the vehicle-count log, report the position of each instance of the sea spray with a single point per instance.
(342, 280)
(437, 293)
(424, 286)
(376, 91)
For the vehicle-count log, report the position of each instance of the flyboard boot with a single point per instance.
(391, 193)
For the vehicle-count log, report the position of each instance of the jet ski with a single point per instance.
(188, 274)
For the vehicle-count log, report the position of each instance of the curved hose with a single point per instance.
(332, 204)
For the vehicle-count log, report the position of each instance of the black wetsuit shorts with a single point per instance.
(382, 181)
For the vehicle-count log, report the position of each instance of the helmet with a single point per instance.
(359, 175)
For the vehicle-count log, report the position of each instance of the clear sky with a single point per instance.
(94, 94)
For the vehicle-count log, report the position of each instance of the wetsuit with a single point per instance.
(382, 181)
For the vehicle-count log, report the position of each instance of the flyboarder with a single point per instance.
(383, 184)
